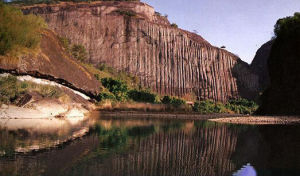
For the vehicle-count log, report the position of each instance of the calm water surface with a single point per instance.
(116, 147)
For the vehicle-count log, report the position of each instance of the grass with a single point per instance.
(11, 89)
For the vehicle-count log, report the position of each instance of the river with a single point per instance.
(148, 147)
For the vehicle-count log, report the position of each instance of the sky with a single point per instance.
(240, 25)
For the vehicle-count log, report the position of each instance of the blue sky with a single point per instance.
(240, 25)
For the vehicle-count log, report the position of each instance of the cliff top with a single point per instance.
(138, 7)
(135, 9)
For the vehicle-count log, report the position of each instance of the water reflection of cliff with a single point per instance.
(174, 149)
(138, 148)
(149, 147)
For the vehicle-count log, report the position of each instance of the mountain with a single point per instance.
(132, 37)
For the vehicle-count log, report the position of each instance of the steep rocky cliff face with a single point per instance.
(130, 36)
(53, 63)
(259, 64)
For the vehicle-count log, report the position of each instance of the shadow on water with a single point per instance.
(162, 147)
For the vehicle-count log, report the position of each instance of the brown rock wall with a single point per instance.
(168, 60)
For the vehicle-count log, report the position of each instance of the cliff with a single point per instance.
(259, 64)
(130, 36)
(51, 62)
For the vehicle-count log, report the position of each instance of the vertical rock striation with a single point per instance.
(130, 36)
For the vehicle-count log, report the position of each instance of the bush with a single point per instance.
(50, 91)
(176, 102)
(105, 96)
(18, 31)
(11, 89)
(239, 106)
(166, 100)
(97, 77)
(242, 106)
(174, 25)
(117, 87)
(142, 96)
(205, 107)
(157, 13)
(79, 52)
(65, 43)
(8, 89)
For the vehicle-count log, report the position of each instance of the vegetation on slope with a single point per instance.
(11, 89)
(18, 31)
(282, 96)
(119, 91)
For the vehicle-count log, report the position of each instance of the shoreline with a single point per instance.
(218, 118)
(161, 115)
(260, 120)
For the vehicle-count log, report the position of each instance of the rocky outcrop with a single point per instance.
(259, 64)
(130, 36)
(51, 62)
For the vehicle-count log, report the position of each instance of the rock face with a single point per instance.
(130, 36)
(259, 64)
(54, 64)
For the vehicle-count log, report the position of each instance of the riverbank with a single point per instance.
(220, 118)
(159, 115)
(43, 110)
(259, 120)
